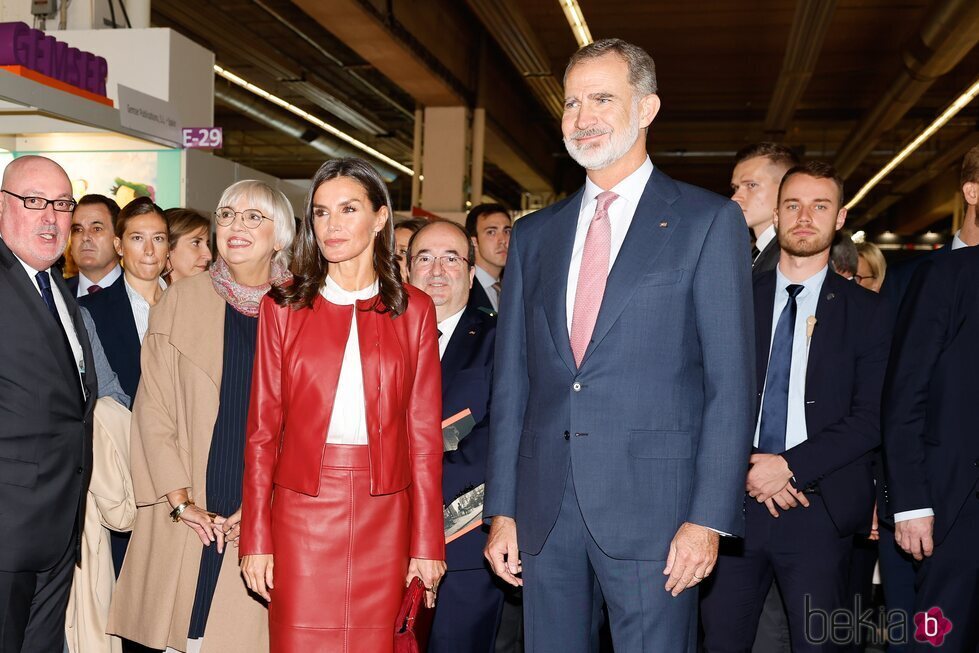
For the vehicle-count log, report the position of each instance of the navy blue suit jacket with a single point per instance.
(931, 450)
(113, 316)
(844, 376)
(467, 377)
(657, 421)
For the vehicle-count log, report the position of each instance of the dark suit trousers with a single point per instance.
(949, 579)
(559, 585)
(32, 607)
(897, 573)
(467, 613)
(806, 556)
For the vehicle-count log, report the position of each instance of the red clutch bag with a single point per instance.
(414, 623)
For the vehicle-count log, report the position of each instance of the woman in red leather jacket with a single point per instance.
(342, 498)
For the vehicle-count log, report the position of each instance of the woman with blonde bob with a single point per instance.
(178, 590)
(871, 266)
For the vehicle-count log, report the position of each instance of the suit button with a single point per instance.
(576, 386)
(80, 470)
(567, 435)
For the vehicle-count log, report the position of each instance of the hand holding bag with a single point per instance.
(414, 623)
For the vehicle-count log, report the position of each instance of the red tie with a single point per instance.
(592, 276)
(94, 288)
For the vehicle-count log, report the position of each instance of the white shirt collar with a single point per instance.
(446, 328)
(957, 242)
(812, 284)
(106, 281)
(484, 277)
(765, 238)
(631, 188)
(334, 294)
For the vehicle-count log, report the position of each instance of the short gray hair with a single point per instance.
(273, 204)
(642, 69)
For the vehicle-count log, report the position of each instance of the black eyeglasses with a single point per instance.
(41, 203)
(250, 217)
(859, 278)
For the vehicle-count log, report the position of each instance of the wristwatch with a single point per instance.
(179, 510)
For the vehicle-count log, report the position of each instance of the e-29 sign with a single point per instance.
(210, 138)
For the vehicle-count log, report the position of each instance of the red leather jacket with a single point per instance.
(297, 367)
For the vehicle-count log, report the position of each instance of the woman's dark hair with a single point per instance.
(139, 206)
(308, 265)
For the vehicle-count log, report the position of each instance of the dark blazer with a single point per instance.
(113, 316)
(467, 377)
(847, 360)
(657, 420)
(898, 276)
(931, 451)
(72, 284)
(767, 259)
(45, 424)
(479, 299)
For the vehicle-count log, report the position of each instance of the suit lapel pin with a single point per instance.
(831, 296)
(664, 224)
(472, 332)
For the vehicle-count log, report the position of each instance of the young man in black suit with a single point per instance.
(822, 346)
(440, 263)
(931, 448)
(758, 169)
(48, 393)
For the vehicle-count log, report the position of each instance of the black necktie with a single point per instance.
(754, 253)
(775, 406)
(44, 283)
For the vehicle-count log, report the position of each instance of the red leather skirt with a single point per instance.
(340, 561)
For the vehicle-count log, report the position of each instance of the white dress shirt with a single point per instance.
(806, 302)
(957, 242)
(140, 308)
(764, 239)
(486, 280)
(348, 424)
(63, 315)
(620, 215)
(446, 327)
(84, 282)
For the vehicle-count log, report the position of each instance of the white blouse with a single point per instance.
(348, 424)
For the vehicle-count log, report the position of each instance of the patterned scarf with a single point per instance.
(244, 299)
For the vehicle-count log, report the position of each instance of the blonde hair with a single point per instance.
(272, 204)
(874, 258)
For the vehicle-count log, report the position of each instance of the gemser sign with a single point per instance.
(20, 45)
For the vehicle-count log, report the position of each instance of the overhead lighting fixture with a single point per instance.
(576, 20)
(859, 237)
(310, 118)
(960, 103)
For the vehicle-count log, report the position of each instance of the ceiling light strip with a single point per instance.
(576, 19)
(308, 117)
(960, 103)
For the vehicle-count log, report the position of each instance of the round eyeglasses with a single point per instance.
(251, 218)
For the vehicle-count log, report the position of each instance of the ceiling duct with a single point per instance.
(507, 25)
(809, 27)
(949, 31)
(260, 111)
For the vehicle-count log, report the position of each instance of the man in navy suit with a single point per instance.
(92, 245)
(931, 450)
(440, 262)
(896, 566)
(622, 396)
(822, 346)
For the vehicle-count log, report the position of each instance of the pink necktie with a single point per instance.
(592, 276)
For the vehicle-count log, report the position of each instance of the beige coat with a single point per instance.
(110, 504)
(173, 420)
